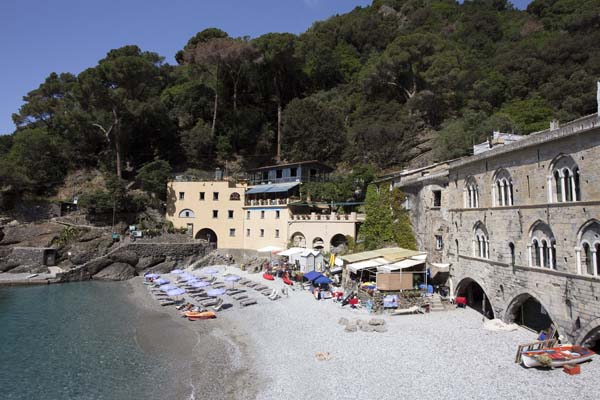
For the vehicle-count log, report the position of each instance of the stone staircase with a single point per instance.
(436, 303)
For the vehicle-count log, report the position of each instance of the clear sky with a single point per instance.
(38, 37)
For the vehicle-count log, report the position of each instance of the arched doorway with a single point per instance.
(298, 240)
(209, 235)
(477, 299)
(527, 311)
(592, 339)
(318, 243)
(338, 243)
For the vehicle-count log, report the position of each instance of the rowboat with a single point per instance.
(196, 315)
(268, 277)
(558, 356)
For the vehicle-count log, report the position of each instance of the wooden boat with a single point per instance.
(268, 276)
(287, 281)
(559, 355)
(196, 315)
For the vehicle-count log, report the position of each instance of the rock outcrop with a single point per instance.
(127, 257)
(116, 272)
(148, 262)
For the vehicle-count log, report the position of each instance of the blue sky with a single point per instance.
(38, 37)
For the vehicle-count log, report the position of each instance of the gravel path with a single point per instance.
(445, 355)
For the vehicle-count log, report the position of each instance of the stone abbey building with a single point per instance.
(519, 224)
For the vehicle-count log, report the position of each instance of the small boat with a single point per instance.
(287, 281)
(31, 276)
(559, 356)
(196, 315)
(268, 276)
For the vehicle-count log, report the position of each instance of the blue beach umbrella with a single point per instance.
(177, 271)
(215, 292)
(176, 292)
(161, 281)
(200, 284)
(151, 275)
(232, 278)
(166, 288)
(210, 271)
(322, 280)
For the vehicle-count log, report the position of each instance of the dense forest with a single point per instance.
(397, 83)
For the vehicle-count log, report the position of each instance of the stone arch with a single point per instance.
(542, 245)
(209, 235)
(298, 239)
(590, 335)
(564, 179)
(527, 310)
(471, 198)
(338, 240)
(318, 243)
(477, 297)
(187, 213)
(502, 188)
(588, 248)
(481, 241)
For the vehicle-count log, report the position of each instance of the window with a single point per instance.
(279, 173)
(471, 193)
(235, 196)
(566, 179)
(230, 214)
(439, 242)
(215, 196)
(277, 214)
(262, 215)
(511, 247)
(293, 171)
(437, 198)
(247, 232)
(542, 250)
(247, 214)
(262, 233)
(276, 233)
(502, 191)
(201, 196)
(588, 253)
(181, 195)
(215, 213)
(407, 202)
(187, 213)
(232, 232)
(481, 243)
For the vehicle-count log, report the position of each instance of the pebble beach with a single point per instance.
(295, 348)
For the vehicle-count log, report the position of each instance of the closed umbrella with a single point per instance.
(200, 284)
(215, 292)
(210, 271)
(177, 271)
(167, 287)
(161, 281)
(152, 275)
(176, 292)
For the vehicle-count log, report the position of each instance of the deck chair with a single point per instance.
(244, 281)
(275, 295)
(218, 285)
(240, 297)
(260, 288)
(410, 310)
(252, 284)
(269, 292)
(247, 302)
(219, 305)
(231, 292)
(209, 302)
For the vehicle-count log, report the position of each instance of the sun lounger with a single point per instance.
(252, 284)
(210, 302)
(240, 297)
(231, 292)
(217, 307)
(260, 288)
(167, 303)
(268, 292)
(244, 281)
(248, 302)
(218, 285)
(275, 295)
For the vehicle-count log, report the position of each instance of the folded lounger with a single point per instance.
(247, 302)
(252, 284)
(269, 292)
(260, 288)
(240, 297)
(217, 307)
(210, 302)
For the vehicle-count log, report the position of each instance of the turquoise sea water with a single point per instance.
(73, 341)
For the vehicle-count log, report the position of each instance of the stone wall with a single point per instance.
(33, 255)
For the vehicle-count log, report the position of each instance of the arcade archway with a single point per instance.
(476, 297)
(527, 311)
(209, 235)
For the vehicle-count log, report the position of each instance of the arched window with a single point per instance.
(542, 250)
(471, 194)
(502, 190)
(481, 243)
(187, 213)
(588, 252)
(234, 196)
(511, 246)
(566, 180)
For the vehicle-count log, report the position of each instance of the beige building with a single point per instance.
(265, 212)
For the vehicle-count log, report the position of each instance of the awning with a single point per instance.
(272, 188)
(291, 251)
(322, 280)
(441, 267)
(269, 249)
(400, 265)
(377, 262)
(312, 275)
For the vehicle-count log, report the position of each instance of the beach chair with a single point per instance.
(218, 285)
(231, 292)
(260, 288)
(247, 302)
(269, 292)
(209, 302)
(239, 297)
(244, 281)
(275, 295)
(219, 305)
(252, 284)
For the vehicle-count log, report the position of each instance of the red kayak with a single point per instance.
(287, 281)
(268, 276)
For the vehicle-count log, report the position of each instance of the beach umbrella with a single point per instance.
(149, 276)
(215, 292)
(200, 284)
(167, 287)
(232, 279)
(176, 292)
(177, 271)
(161, 281)
(210, 271)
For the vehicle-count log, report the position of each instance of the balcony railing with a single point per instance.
(267, 202)
(352, 217)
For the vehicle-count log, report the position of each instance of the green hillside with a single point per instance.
(400, 82)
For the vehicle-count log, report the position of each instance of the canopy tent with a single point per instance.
(269, 249)
(312, 275)
(357, 266)
(272, 188)
(291, 251)
(441, 267)
(408, 263)
(322, 280)
(391, 254)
